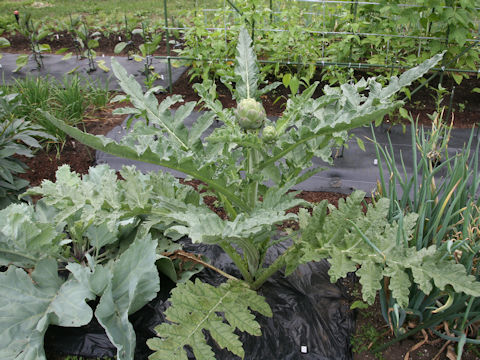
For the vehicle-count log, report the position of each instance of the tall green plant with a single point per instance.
(34, 32)
(235, 162)
(68, 99)
(72, 100)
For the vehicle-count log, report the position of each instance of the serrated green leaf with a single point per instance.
(404, 265)
(246, 67)
(340, 266)
(399, 284)
(396, 84)
(195, 308)
(370, 276)
(451, 274)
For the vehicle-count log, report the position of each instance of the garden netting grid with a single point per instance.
(320, 20)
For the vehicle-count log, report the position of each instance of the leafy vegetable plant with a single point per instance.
(4, 43)
(151, 42)
(17, 137)
(128, 33)
(235, 161)
(86, 239)
(88, 42)
(34, 32)
(69, 99)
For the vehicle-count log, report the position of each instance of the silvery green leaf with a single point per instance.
(196, 308)
(26, 237)
(134, 283)
(246, 67)
(28, 308)
(410, 76)
(101, 235)
(95, 277)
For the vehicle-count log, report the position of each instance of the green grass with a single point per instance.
(69, 100)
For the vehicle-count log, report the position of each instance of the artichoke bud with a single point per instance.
(250, 114)
(269, 134)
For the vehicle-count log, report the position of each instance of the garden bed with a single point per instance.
(371, 328)
(371, 331)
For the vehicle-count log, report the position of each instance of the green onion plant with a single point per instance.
(443, 191)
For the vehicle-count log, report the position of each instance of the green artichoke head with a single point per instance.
(250, 114)
(269, 134)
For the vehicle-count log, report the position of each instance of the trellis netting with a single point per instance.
(383, 37)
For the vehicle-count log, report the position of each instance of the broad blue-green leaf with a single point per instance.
(28, 308)
(134, 283)
(95, 277)
(101, 235)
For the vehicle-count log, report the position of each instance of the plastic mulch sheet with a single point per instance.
(56, 67)
(311, 317)
(354, 169)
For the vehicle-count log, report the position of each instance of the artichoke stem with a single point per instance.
(253, 186)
